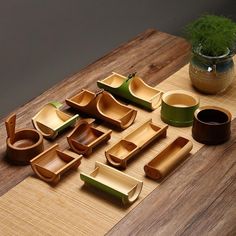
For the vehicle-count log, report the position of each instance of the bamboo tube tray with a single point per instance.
(52, 163)
(85, 137)
(118, 154)
(168, 159)
(114, 182)
(132, 88)
(104, 106)
(50, 120)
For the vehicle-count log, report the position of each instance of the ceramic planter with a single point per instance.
(52, 163)
(23, 144)
(114, 182)
(126, 148)
(178, 107)
(50, 120)
(211, 75)
(211, 125)
(85, 137)
(133, 89)
(104, 106)
(168, 159)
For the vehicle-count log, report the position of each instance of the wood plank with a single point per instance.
(199, 200)
(155, 55)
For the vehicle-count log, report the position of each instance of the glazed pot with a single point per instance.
(211, 125)
(178, 107)
(211, 75)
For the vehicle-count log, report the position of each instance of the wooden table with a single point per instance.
(199, 199)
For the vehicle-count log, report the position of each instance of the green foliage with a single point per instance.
(214, 34)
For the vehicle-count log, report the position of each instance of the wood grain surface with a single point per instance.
(155, 55)
(199, 200)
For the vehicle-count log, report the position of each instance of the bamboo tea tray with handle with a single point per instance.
(132, 88)
(104, 106)
(50, 120)
(30, 205)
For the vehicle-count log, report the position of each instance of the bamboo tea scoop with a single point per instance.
(10, 124)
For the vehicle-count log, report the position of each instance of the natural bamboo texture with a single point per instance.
(33, 207)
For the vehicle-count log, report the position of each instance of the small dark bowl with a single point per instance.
(211, 125)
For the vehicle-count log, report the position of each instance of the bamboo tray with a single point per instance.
(85, 137)
(127, 147)
(104, 106)
(133, 89)
(168, 159)
(114, 182)
(52, 163)
(50, 120)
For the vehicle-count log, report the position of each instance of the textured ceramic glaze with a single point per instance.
(211, 75)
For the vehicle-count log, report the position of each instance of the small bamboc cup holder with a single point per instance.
(23, 144)
(104, 106)
(178, 107)
(85, 137)
(50, 120)
(168, 159)
(126, 148)
(132, 88)
(211, 125)
(52, 163)
(114, 182)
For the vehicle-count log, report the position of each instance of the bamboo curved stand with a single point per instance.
(133, 89)
(114, 182)
(168, 159)
(126, 148)
(23, 144)
(104, 106)
(85, 137)
(52, 163)
(50, 120)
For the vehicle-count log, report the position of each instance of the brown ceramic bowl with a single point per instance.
(27, 143)
(211, 125)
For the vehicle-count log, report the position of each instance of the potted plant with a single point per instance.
(213, 40)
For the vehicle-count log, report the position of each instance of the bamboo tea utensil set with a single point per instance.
(211, 125)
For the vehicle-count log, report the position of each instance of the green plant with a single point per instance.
(213, 34)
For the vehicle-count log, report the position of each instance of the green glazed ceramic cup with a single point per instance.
(178, 107)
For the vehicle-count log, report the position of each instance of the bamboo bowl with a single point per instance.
(22, 145)
(211, 125)
(178, 107)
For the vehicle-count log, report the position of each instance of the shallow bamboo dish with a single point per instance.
(211, 125)
(104, 106)
(114, 182)
(52, 163)
(50, 120)
(178, 107)
(23, 144)
(85, 137)
(132, 88)
(118, 154)
(168, 159)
